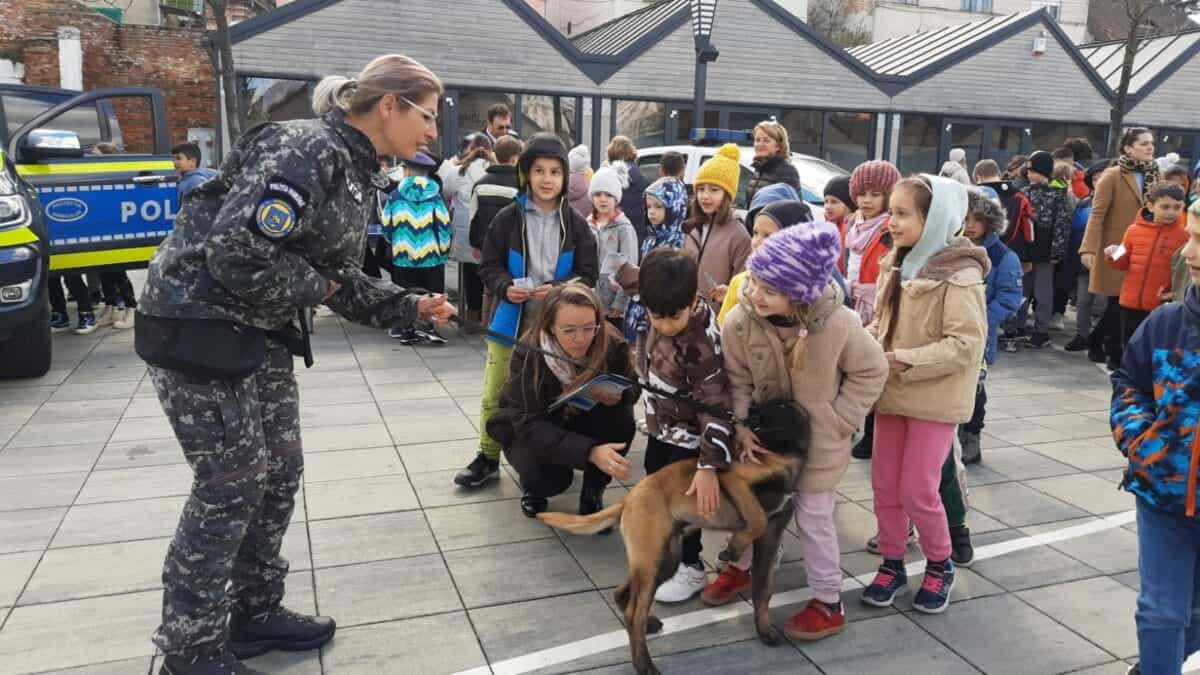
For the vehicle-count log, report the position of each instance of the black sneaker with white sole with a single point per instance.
(479, 471)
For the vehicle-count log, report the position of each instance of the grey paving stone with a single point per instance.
(398, 377)
(34, 493)
(96, 391)
(413, 391)
(439, 456)
(432, 420)
(367, 538)
(378, 648)
(1111, 551)
(324, 439)
(1017, 505)
(15, 570)
(515, 572)
(483, 524)
(134, 454)
(603, 558)
(130, 370)
(317, 379)
(386, 590)
(1032, 567)
(359, 496)
(1130, 579)
(855, 525)
(437, 488)
(28, 530)
(88, 524)
(140, 407)
(1019, 464)
(1100, 610)
(16, 414)
(1021, 432)
(142, 429)
(345, 464)
(514, 630)
(103, 569)
(1086, 491)
(876, 648)
(17, 461)
(63, 433)
(80, 632)
(30, 395)
(747, 656)
(139, 483)
(330, 415)
(355, 393)
(1030, 642)
(287, 663)
(296, 549)
(1074, 425)
(1089, 454)
(1114, 668)
(980, 523)
(137, 666)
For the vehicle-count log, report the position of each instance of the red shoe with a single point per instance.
(817, 621)
(726, 587)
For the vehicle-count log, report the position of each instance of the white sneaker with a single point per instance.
(124, 319)
(106, 316)
(1056, 322)
(687, 582)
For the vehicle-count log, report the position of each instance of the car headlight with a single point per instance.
(13, 212)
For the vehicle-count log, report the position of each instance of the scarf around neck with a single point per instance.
(1152, 174)
(859, 234)
(563, 370)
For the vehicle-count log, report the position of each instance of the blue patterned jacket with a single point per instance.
(1156, 407)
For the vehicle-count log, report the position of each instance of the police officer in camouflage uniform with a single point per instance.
(281, 228)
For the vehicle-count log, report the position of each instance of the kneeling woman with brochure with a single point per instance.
(559, 412)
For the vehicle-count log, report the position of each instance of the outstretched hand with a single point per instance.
(436, 308)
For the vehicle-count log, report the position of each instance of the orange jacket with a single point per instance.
(1078, 186)
(1147, 260)
(880, 244)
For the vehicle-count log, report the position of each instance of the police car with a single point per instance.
(63, 209)
(814, 172)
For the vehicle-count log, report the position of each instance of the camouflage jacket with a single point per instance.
(287, 214)
(689, 363)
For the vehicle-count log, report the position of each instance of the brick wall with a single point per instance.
(174, 60)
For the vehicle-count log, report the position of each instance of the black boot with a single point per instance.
(217, 661)
(591, 500)
(962, 553)
(479, 471)
(971, 453)
(532, 505)
(279, 628)
(862, 449)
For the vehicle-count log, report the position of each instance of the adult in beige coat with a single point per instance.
(1119, 196)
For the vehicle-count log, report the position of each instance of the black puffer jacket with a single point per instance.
(523, 423)
(777, 169)
(633, 201)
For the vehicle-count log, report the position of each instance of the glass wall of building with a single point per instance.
(847, 140)
(1167, 141)
(273, 100)
(919, 137)
(806, 130)
(473, 107)
(645, 122)
(1050, 135)
(554, 114)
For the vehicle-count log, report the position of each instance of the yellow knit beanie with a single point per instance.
(723, 170)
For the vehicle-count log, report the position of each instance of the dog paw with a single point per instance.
(653, 625)
(770, 636)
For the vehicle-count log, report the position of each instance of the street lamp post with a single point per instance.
(703, 14)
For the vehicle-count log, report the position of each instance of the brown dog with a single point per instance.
(655, 514)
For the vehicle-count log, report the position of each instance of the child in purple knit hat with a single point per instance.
(810, 348)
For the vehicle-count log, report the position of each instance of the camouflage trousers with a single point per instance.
(242, 441)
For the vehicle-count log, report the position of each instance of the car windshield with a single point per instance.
(814, 174)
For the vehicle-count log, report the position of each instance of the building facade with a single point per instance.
(896, 18)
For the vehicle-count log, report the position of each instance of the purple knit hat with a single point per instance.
(798, 261)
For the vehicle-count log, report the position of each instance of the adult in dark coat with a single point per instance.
(772, 159)
(633, 199)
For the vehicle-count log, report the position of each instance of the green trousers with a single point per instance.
(952, 496)
(494, 377)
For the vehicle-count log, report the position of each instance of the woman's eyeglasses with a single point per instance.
(431, 118)
(578, 331)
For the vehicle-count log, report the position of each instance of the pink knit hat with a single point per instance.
(877, 175)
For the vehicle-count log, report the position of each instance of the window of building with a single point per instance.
(984, 6)
(806, 130)
(554, 114)
(1054, 6)
(848, 138)
(684, 122)
(644, 122)
(473, 107)
(1167, 141)
(270, 100)
(919, 136)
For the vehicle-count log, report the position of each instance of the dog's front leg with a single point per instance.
(743, 498)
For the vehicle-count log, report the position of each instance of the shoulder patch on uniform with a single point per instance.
(282, 205)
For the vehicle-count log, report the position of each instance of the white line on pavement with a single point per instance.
(615, 639)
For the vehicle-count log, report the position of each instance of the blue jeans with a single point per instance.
(1168, 606)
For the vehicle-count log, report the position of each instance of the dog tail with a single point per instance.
(592, 524)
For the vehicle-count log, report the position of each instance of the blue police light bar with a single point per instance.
(714, 136)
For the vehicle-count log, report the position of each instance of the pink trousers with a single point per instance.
(814, 520)
(906, 470)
